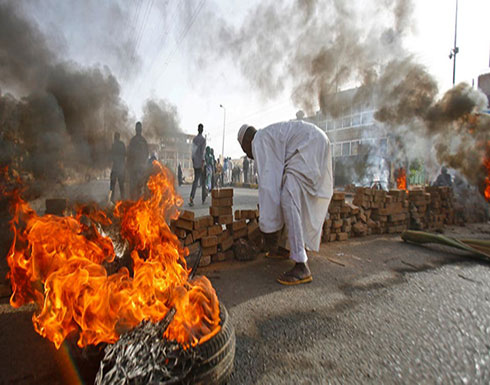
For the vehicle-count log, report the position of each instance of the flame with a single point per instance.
(401, 179)
(58, 264)
(486, 191)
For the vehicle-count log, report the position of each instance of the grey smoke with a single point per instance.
(160, 119)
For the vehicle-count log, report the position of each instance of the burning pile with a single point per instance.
(59, 264)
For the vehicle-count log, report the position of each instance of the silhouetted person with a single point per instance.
(198, 152)
(444, 178)
(179, 175)
(137, 162)
(245, 169)
(118, 155)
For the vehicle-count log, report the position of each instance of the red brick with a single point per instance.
(184, 224)
(186, 214)
(240, 233)
(193, 247)
(226, 243)
(338, 196)
(218, 257)
(218, 211)
(181, 233)
(188, 240)
(209, 250)
(225, 219)
(342, 236)
(205, 260)
(237, 225)
(198, 234)
(204, 221)
(222, 193)
(215, 230)
(209, 241)
(222, 202)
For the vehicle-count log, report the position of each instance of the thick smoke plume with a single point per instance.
(160, 119)
(319, 47)
(67, 118)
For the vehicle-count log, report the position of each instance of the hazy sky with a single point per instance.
(154, 49)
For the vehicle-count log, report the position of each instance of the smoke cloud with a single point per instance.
(66, 120)
(160, 119)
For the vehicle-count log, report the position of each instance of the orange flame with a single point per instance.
(57, 263)
(401, 179)
(486, 192)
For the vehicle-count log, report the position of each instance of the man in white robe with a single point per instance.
(294, 164)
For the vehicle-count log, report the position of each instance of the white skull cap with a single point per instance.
(241, 132)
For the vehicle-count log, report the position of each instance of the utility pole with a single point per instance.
(455, 50)
(224, 125)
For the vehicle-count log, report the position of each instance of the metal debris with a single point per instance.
(143, 356)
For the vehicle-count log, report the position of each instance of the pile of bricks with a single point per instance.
(387, 212)
(216, 233)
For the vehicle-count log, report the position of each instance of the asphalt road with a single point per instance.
(378, 311)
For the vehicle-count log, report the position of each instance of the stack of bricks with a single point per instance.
(343, 217)
(392, 214)
(419, 202)
(379, 212)
(441, 208)
(221, 211)
(248, 224)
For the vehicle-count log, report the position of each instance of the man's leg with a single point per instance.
(112, 185)
(300, 273)
(204, 192)
(197, 175)
(120, 180)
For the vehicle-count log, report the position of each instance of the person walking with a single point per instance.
(245, 169)
(118, 155)
(198, 152)
(137, 162)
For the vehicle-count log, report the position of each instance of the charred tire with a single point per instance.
(217, 355)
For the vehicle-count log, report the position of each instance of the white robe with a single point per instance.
(301, 151)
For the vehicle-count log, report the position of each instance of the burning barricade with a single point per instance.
(62, 265)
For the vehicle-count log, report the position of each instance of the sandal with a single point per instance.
(299, 274)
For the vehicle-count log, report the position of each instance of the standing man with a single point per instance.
(245, 169)
(198, 152)
(118, 155)
(179, 175)
(294, 165)
(137, 162)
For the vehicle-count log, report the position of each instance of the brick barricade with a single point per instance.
(388, 212)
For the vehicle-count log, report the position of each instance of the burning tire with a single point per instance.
(218, 355)
(141, 356)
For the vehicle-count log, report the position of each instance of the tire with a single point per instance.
(218, 355)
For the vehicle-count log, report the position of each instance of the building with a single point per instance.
(360, 145)
(176, 149)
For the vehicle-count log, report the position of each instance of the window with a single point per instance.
(356, 120)
(354, 147)
(337, 149)
(346, 121)
(346, 149)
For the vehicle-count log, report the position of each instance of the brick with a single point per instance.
(337, 224)
(225, 234)
(204, 221)
(222, 193)
(238, 215)
(237, 225)
(240, 233)
(186, 214)
(338, 196)
(252, 227)
(181, 233)
(249, 214)
(209, 241)
(215, 230)
(359, 228)
(226, 243)
(222, 202)
(209, 250)
(205, 260)
(188, 240)
(230, 254)
(218, 257)
(225, 219)
(217, 211)
(184, 224)
(342, 236)
(199, 233)
(193, 247)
